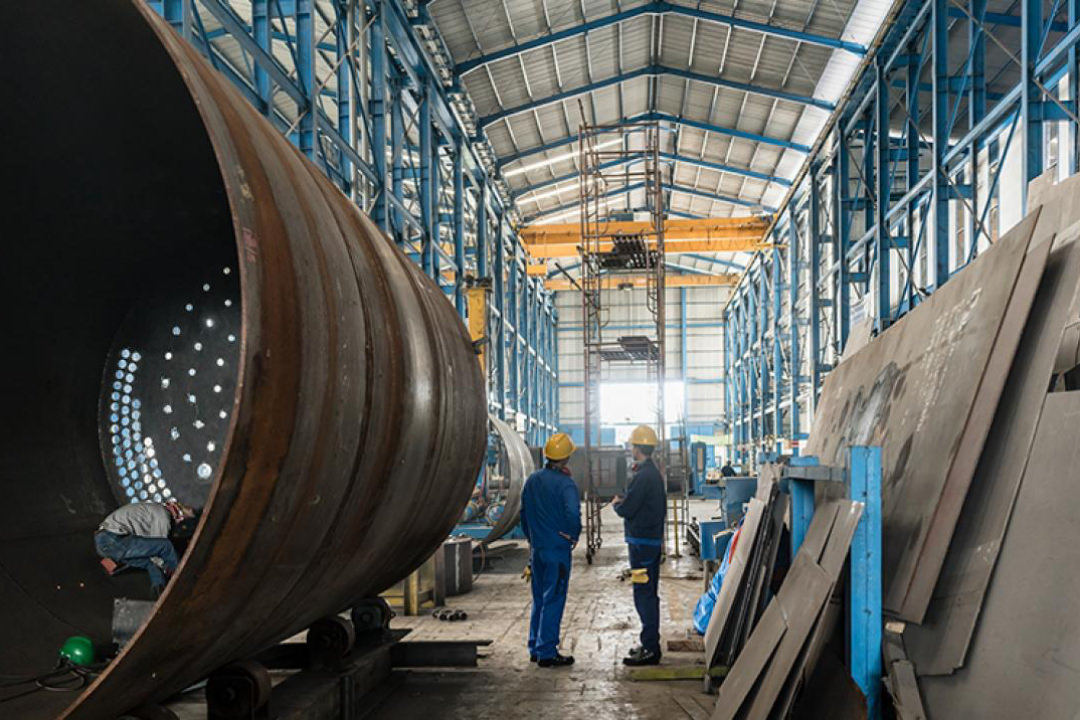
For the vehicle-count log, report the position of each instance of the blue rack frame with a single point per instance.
(366, 90)
(902, 191)
(865, 619)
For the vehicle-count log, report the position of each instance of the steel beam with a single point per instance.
(663, 118)
(651, 71)
(519, 193)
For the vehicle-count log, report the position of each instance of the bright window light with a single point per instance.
(625, 405)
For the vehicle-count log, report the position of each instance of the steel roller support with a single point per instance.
(342, 410)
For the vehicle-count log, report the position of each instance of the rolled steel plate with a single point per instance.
(333, 447)
(517, 466)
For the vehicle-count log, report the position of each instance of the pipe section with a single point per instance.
(516, 464)
(194, 311)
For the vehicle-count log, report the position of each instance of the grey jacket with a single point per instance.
(149, 520)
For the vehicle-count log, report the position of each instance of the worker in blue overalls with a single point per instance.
(551, 520)
(643, 511)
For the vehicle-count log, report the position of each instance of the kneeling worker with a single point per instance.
(643, 511)
(551, 521)
(137, 535)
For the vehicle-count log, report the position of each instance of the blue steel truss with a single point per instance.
(652, 71)
(666, 157)
(658, 8)
(357, 86)
(902, 191)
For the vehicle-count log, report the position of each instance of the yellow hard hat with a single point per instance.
(644, 435)
(559, 447)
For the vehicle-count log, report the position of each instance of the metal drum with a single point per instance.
(193, 311)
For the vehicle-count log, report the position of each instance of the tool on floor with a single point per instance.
(637, 576)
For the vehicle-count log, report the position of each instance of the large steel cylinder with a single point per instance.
(193, 311)
(516, 464)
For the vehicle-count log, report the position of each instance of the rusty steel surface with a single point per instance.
(1024, 659)
(939, 645)
(355, 423)
(925, 390)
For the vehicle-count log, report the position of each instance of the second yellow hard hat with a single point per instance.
(644, 435)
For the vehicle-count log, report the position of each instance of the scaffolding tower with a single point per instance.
(611, 157)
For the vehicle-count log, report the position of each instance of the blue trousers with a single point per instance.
(139, 552)
(646, 595)
(550, 580)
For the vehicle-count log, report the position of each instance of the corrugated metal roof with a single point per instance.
(474, 29)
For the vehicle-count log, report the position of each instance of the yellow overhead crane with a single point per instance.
(616, 282)
(745, 234)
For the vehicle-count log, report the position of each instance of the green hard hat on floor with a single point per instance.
(78, 650)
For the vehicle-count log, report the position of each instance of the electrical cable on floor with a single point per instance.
(46, 681)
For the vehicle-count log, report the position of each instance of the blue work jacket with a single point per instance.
(645, 506)
(551, 510)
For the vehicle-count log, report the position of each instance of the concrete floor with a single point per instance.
(599, 626)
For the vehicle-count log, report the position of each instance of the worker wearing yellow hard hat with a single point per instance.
(559, 447)
(644, 436)
(643, 510)
(551, 521)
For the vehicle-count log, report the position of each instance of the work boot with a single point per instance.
(557, 661)
(532, 658)
(643, 657)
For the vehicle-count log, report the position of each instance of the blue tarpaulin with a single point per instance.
(705, 604)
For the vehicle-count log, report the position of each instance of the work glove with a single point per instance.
(526, 574)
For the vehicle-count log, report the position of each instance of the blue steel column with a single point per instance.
(428, 205)
(377, 111)
(1074, 88)
(512, 314)
(344, 92)
(500, 309)
(865, 584)
(976, 112)
(683, 361)
(178, 14)
(815, 315)
(729, 379)
(549, 366)
(305, 73)
(778, 355)
(555, 415)
(397, 149)
(939, 238)
(747, 387)
(911, 144)
(482, 230)
(1030, 98)
(883, 192)
(794, 363)
(527, 390)
(842, 242)
(759, 380)
(260, 26)
(459, 227)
